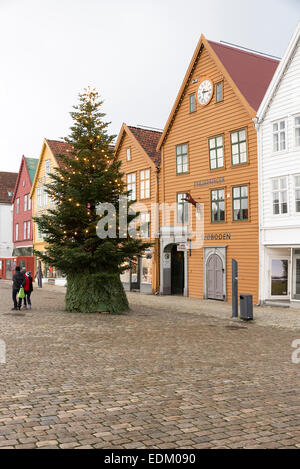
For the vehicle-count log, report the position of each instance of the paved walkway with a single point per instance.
(263, 316)
(153, 378)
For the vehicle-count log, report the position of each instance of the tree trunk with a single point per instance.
(95, 293)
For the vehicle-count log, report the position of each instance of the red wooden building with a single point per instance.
(22, 210)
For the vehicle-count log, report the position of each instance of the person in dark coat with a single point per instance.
(18, 279)
(28, 289)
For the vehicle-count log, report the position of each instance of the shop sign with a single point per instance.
(209, 182)
(167, 260)
(181, 247)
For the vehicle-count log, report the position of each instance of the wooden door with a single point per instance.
(214, 278)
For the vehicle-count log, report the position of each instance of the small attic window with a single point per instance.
(128, 152)
(10, 193)
(23, 182)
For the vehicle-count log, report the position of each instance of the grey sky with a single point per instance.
(135, 53)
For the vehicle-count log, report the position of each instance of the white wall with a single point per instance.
(284, 105)
(6, 226)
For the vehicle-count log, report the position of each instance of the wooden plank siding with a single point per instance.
(140, 161)
(195, 129)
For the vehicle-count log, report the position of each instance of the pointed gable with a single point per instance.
(248, 75)
(148, 139)
(252, 73)
(7, 186)
(31, 164)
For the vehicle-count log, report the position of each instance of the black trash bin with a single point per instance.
(246, 307)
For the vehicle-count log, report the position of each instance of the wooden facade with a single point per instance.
(136, 148)
(225, 239)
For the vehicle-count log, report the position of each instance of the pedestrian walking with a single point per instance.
(18, 279)
(28, 288)
(24, 299)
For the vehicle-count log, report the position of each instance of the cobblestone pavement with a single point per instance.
(149, 379)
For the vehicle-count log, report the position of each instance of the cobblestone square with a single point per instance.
(153, 378)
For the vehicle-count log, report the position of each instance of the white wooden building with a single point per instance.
(278, 126)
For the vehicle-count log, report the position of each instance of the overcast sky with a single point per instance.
(134, 52)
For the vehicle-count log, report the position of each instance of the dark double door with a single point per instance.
(177, 271)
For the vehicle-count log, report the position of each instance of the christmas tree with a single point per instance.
(88, 176)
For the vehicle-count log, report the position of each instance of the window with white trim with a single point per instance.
(145, 183)
(17, 231)
(238, 147)
(47, 167)
(39, 197)
(145, 224)
(182, 208)
(28, 229)
(216, 155)
(297, 193)
(182, 158)
(29, 202)
(45, 197)
(297, 131)
(17, 205)
(25, 202)
(279, 136)
(25, 230)
(128, 154)
(131, 186)
(280, 195)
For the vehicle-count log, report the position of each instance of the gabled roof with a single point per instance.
(7, 185)
(31, 166)
(247, 73)
(58, 147)
(251, 72)
(145, 139)
(284, 64)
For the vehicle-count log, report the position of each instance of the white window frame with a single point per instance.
(39, 197)
(17, 232)
(28, 229)
(145, 221)
(278, 132)
(18, 205)
(280, 192)
(29, 202)
(131, 185)
(128, 154)
(145, 184)
(25, 230)
(182, 159)
(182, 214)
(296, 127)
(45, 197)
(25, 202)
(296, 189)
(47, 167)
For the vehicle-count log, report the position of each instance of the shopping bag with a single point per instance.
(21, 293)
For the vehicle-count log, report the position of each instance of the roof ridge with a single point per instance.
(146, 130)
(236, 48)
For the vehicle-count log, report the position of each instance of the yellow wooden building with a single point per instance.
(136, 148)
(41, 201)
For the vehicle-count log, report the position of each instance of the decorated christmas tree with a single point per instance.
(87, 176)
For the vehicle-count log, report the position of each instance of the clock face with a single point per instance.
(205, 91)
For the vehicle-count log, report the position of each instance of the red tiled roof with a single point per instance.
(251, 72)
(57, 147)
(148, 139)
(7, 185)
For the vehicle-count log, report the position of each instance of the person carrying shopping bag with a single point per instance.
(18, 279)
(28, 289)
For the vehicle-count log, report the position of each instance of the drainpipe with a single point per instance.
(261, 252)
(157, 235)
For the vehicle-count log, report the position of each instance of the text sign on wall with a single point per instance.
(209, 182)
